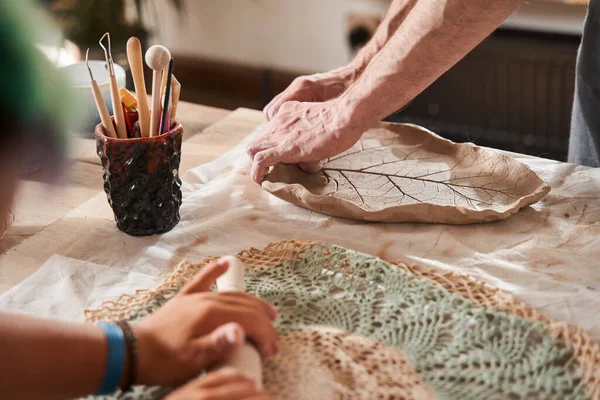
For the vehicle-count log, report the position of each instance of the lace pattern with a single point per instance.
(443, 333)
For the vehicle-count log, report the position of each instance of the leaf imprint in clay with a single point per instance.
(405, 173)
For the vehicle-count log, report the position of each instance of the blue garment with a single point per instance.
(584, 145)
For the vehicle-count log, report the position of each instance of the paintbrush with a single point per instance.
(165, 114)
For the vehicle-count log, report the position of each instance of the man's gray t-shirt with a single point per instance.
(584, 145)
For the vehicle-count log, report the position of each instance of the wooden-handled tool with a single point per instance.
(134, 56)
(246, 359)
(100, 104)
(157, 58)
(176, 92)
(165, 123)
(163, 82)
(114, 90)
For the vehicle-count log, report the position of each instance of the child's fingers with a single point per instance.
(206, 277)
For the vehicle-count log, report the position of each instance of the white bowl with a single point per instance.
(79, 79)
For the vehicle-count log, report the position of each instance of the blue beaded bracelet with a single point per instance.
(116, 358)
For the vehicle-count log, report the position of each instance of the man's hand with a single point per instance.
(312, 88)
(225, 384)
(198, 328)
(305, 134)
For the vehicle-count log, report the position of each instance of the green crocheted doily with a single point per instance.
(460, 350)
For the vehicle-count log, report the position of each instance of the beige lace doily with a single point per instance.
(357, 364)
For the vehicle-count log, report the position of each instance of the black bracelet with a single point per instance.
(131, 352)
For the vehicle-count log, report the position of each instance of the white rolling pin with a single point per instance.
(246, 359)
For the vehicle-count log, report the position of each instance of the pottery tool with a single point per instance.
(128, 99)
(131, 117)
(157, 58)
(163, 82)
(129, 110)
(114, 89)
(246, 359)
(163, 86)
(175, 92)
(165, 121)
(134, 56)
(100, 104)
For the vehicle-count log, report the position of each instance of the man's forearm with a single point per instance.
(395, 15)
(435, 35)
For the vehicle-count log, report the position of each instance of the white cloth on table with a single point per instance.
(545, 255)
(64, 287)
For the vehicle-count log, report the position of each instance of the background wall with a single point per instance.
(307, 35)
(514, 91)
(302, 35)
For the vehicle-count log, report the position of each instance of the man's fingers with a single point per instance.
(273, 104)
(257, 146)
(203, 281)
(262, 162)
(282, 99)
(260, 142)
(288, 94)
(311, 167)
(219, 344)
(299, 90)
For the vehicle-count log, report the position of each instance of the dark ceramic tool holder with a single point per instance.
(141, 180)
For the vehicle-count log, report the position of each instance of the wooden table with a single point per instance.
(544, 255)
(45, 223)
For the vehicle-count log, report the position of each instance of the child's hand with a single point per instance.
(225, 384)
(198, 328)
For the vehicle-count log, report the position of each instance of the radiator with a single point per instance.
(513, 92)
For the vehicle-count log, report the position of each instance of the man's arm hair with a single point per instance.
(434, 36)
(396, 14)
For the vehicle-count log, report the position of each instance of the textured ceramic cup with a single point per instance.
(141, 180)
